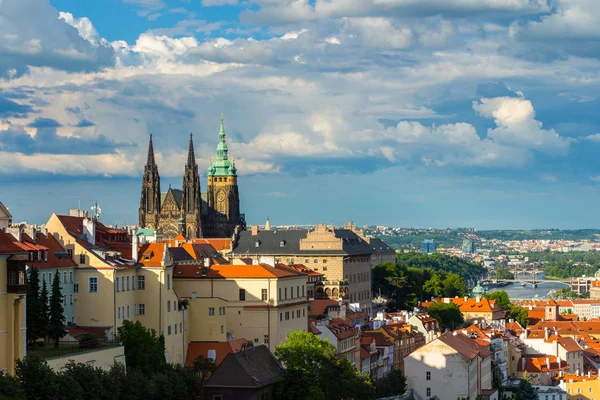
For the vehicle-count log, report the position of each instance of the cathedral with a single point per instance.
(214, 214)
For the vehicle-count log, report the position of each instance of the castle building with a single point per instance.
(188, 211)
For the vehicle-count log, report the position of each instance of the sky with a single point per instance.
(413, 113)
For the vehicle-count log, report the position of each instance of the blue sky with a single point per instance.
(421, 113)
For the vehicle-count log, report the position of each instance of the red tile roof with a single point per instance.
(57, 255)
(196, 349)
(464, 345)
(342, 329)
(569, 344)
(319, 306)
(539, 363)
(380, 338)
(10, 245)
(218, 244)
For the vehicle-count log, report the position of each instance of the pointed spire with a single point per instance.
(222, 146)
(191, 160)
(150, 161)
(268, 225)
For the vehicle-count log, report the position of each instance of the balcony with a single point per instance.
(332, 290)
(16, 282)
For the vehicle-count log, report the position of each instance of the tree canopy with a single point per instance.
(313, 371)
(447, 314)
(143, 349)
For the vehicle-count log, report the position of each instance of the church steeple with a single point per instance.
(190, 222)
(150, 197)
(222, 166)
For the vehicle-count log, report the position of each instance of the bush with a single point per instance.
(88, 341)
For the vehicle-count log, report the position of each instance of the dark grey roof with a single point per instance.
(287, 242)
(254, 367)
(179, 254)
(379, 246)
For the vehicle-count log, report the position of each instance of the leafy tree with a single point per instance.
(435, 286)
(447, 314)
(313, 368)
(392, 385)
(10, 388)
(143, 349)
(501, 272)
(204, 366)
(454, 286)
(34, 328)
(56, 316)
(501, 298)
(43, 311)
(525, 391)
(36, 378)
(519, 314)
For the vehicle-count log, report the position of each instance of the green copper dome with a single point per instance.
(222, 166)
(478, 290)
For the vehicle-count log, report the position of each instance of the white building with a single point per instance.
(450, 367)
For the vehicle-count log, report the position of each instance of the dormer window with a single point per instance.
(282, 243)
(39, 255)
(257, 243)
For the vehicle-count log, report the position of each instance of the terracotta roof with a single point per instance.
(538, 363)
(151, 254)
(380, 339)
(9, 245)
(300, 268)
(578, 378)
(319, 306)
(313, 329)
(231, 271)
(569, 344)
(196, 349)
(218, 244)
(342, 329)
(464, 345)
(364, 353)
(484, 305)
(57, 255)
(515, 327)
(100, 331)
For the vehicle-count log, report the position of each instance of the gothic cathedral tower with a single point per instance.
(150, 198)
(223, 199)
(191, 202)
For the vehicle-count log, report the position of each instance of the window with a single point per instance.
(141, 282)
(428, 390)
(64, 299)
(175, 329)
(169, 306)
(92, 284)
(263, 294)
(297, 291)
(315, 261)
(169, 330)
(285, 293)
(76, 287)
(82, 258)
(279, 298)
(127, 283)
(70, 253)
(306, 261)
(117, 284)
(174, 305)
(303, 291)
(181, 330)
(242, 294)
(280, 316)
(222, 328)
(70, 276)
(324, 268)
(64, 277)
(211, 311)
(71, 299)
(221, 310)
(127, 310)
(292, 314)
(72, 319)
(132, 282)
(141, 309)
(428, 375)
(168, 281)
(304, 312)
(287, 315)
(119, 312)
(44, 279)
(255, 340)
(266, 339)
(297, 313)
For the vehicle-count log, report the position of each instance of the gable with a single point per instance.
(4, 214)
(171, 201)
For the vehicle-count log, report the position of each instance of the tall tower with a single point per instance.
(223, 199)
(191, 206)
(150, 198)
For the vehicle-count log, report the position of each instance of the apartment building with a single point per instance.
(343, 335)
(342, 255)
(260, 303)
(450, 367)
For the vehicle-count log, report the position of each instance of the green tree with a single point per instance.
(501, 272)
(204, 366)
(313, 368)
(34, 329)
(525, 391)
(143, 349)
(501, 298)
(10, 388)
(447, 314)
(434, 286)
(392, 385)
(454, 286)
(43, 310)
(519, 314)
(56, 315)
(36, 378)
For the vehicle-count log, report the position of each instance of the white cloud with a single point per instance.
(380, 32)
(517, 126)
(83, 25)
(594, 138)
(211, 3)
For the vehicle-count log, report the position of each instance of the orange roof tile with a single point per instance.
(539, 363)
(196, 349)
(319, 306)
(218, 244)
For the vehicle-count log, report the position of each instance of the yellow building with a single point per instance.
(581, 387)
(116, 279)
(256, 302)
(13, 256)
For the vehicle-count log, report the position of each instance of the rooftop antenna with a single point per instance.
(96, 211)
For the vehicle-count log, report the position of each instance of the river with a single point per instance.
(516, 291)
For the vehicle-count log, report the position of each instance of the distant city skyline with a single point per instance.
(433, 113)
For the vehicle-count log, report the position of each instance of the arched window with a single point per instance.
(190, 232)
(328, 292)
(334, 293)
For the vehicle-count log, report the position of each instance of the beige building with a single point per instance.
(450, 367)
(5, 218)
(341, 255)
(256, 302)
(13, 257)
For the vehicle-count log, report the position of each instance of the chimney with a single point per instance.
(546, 333)
(589, 374)
(254, 230)
(548, 363)
(19, 235)
(134, 247)
(89, 229)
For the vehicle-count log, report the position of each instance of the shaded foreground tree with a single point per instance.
(447, 314)
(313, 371)
(56, 312)
(392, 385)
(143, 349)
(526, 391)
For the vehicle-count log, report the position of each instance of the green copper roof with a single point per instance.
(222, 166)
(478, 289)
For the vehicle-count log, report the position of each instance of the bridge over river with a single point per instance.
(532, 277)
